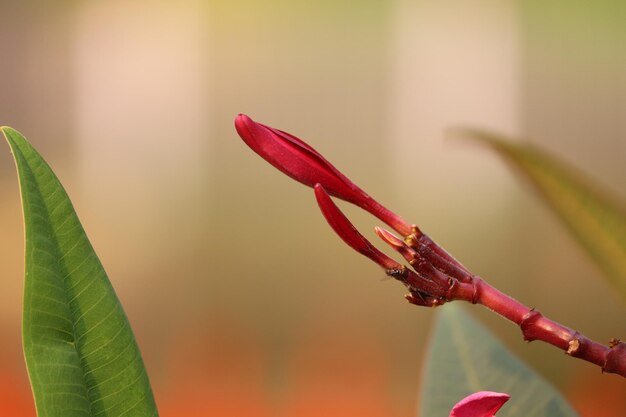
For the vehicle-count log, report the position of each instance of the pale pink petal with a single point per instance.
(480, 404)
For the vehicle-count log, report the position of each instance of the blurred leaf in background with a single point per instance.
(464, 357)
(594, 216)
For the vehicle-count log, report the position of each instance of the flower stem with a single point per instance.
(462, 285)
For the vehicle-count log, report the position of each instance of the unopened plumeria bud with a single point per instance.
(421, 286)
(348, 233)
(418, 246)
(436, 277)
(397, 244)
(424, 269)
(301, 162)
(480, 404)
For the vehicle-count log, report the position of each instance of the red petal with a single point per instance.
(296, 159)
(480, 404)
(301, 162)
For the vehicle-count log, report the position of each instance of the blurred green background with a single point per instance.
(242, 299)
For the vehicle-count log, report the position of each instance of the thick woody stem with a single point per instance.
(534, 326)
(437, 278)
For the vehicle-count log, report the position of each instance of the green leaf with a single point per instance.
(465, 357)
(595, 217)
(80, 351)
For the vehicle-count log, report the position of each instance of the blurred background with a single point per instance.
(242, 299)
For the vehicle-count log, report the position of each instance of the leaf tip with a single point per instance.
(9, 133)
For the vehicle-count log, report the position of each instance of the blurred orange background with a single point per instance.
(242, 299)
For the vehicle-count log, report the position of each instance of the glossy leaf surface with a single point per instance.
(465, 357)
(80, 351)
(595, 217)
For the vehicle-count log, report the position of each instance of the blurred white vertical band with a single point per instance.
(142, 113)
(452, 63)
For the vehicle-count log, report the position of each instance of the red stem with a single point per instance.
(438, 278)
(462, 285)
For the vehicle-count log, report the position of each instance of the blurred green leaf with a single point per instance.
(465, 357)
(595, 217)
(80, 351)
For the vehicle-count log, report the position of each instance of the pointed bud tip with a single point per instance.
(242, 118)
(242, 125)
(389, 238)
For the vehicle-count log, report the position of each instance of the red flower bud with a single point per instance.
(480, 404)
(304, 164)
(346, 231)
